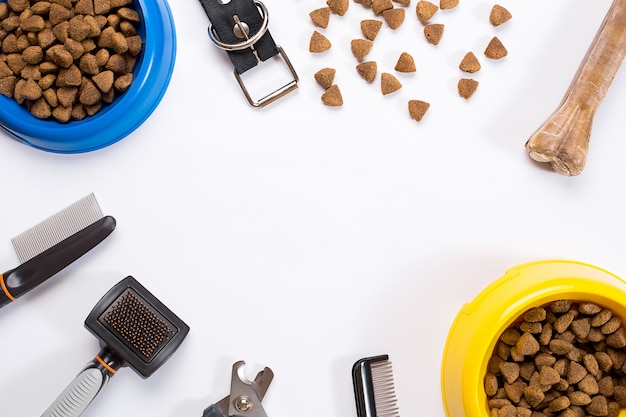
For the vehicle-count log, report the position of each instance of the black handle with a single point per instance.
(33, 272)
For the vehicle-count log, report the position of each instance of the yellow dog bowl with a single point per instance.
(479, 324)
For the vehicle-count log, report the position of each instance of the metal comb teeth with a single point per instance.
(374, 388)
(57, 227)
(384, 390)
(137, 324)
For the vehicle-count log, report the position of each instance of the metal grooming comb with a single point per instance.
(135, 329)
(48, 247)
(374, 389)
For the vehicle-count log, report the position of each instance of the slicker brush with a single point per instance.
(135, 329)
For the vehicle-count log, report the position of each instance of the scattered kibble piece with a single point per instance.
(325, 77)
(405, 63)
(425, 10)
(339, 7)
(319, 43)
(367, 70)
(332, 96)
(394, 17)
(389, 84)
(434, 32)
(499, 15)
(467, 87)
(320, 17)
(379, 6)
(361, 47)
(417, 109)
(469, 63)
(370, 28)
(495, 49)
(448, 4)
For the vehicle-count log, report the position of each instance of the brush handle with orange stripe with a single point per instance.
(85, 387)
(35, 271)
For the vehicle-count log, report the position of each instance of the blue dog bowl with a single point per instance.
(126, 113)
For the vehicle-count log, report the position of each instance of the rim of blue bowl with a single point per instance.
(114, 122)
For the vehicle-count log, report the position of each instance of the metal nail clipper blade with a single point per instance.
(245, 396)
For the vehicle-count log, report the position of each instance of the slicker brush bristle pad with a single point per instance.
(141, 327)
(136, 327)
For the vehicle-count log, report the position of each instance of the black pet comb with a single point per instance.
(53, 244)
(135, 329)
(374, 389)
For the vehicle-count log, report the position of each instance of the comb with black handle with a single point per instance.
(374, 389)
(135, 329)
(48, 247)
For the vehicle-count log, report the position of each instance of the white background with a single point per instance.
(303, 237)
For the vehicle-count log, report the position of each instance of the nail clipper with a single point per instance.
(245, 396)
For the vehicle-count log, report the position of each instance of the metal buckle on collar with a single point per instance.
(241, 30)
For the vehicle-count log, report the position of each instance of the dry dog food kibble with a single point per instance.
(499, 15)
(448, 4)
(319, 43)
(433, 32)
(469, 63)
(379, 6)
(339, 7)
(332, 96)
(394, 18)
(370, 28)
(417, 109)
(367, 70)
(495, 49)
(405, 63)
(65, 60)
(467, 87)
(320, 17)
(565, 359)
(361, 47)
(425, 10)
(385, 11)
(325, 77)
(389, 84)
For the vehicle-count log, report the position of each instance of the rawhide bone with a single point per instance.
(563, 140)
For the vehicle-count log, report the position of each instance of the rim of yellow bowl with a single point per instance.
(478, 325)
